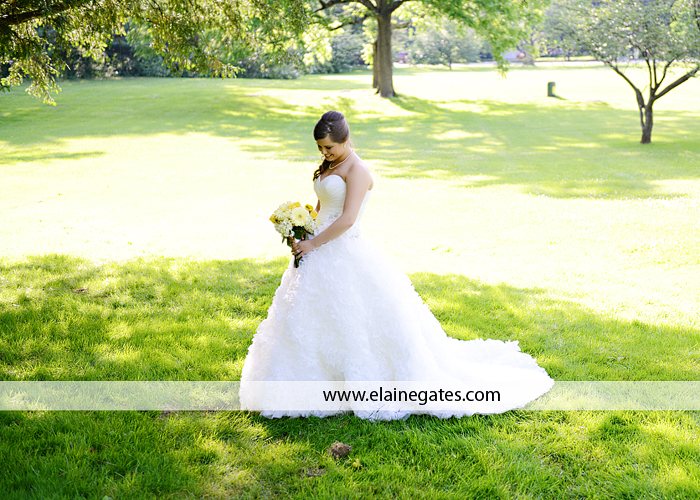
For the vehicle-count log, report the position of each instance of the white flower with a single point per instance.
(300, 216)
(310, 225)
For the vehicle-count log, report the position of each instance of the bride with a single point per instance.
(346, 314)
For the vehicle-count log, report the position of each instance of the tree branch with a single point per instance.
(351, 22)
(666, 68)
(15, 19)
(652, 76)
(370, 6)
(331, 3)
(682, 79)
(638, 93)
(395, 5)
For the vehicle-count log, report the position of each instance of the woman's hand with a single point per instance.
(302, 247)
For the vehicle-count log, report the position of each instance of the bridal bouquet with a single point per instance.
(292, 220)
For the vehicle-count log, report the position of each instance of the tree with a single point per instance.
(501, 23)
(404, 21)
(664, 34)
(445, 43)
(195, 35)
(343, 52)
(554, 33)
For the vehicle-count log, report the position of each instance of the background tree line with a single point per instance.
(430, 41)
(131, 53)
(42, 40)
(48, 39)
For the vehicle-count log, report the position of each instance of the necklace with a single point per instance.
(339, 164)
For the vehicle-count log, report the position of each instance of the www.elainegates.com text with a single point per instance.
(420, 397)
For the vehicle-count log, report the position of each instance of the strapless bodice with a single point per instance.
(331, 193)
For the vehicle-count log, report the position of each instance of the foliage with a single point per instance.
(502, 24)
(260, 64)
(665, 34)
(345, 53)
(249, 61)
(140, 40)
(196, 36)
(34, 37)
(446, 43)
(556, 34)
(74, 38)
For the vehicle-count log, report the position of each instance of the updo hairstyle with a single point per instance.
(333, 125)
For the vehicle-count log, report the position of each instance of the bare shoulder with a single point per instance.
(358, 170)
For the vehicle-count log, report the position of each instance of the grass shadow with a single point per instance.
(64, 318)
(572, 343)
(39, 157)
(579, 150)
(568, 150)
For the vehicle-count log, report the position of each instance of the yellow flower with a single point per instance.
(273, 219)
(295, 205)
(299, 216)
(309, 208)
(314, 214)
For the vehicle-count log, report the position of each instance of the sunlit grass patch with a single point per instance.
(235, 455)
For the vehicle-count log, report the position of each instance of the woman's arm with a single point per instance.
(358, 181)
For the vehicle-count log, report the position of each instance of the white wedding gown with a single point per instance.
(346, 314)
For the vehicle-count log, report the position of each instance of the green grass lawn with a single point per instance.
(136, 246)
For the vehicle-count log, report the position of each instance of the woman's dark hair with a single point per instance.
(333, 125)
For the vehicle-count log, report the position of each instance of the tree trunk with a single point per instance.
(385, 66)
(647, 123)
(375, 66)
